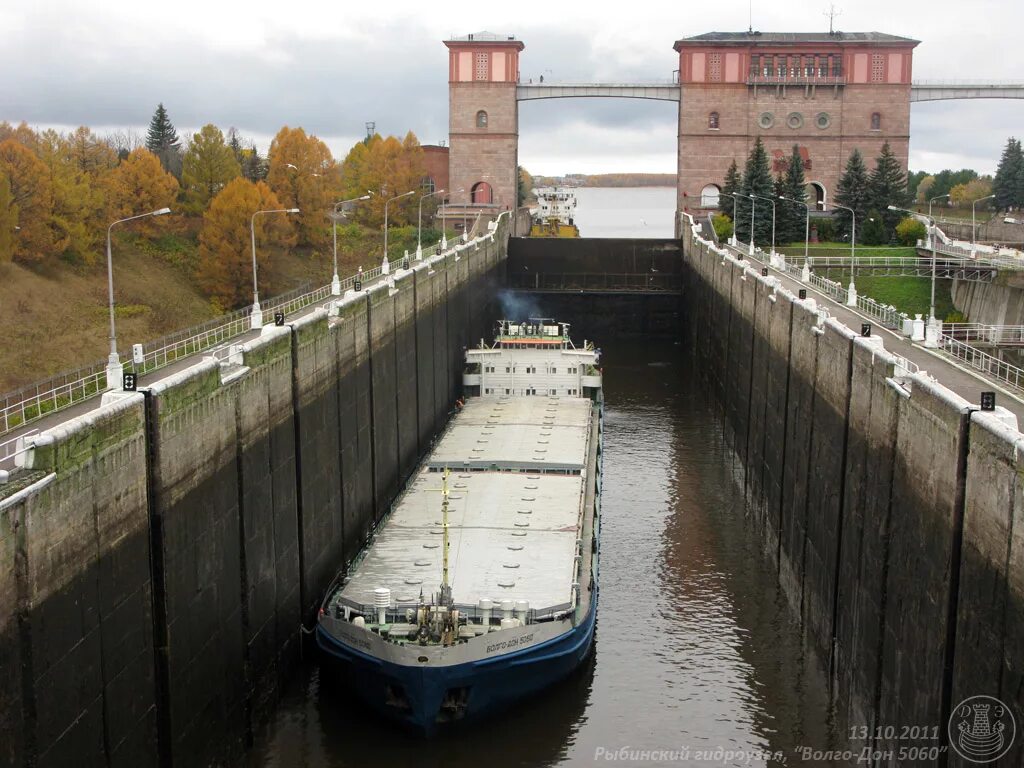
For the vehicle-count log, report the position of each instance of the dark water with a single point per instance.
(695, 647)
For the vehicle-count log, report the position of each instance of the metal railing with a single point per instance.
(796, 79)
(982, 361)
(979, 333)
(14, 446)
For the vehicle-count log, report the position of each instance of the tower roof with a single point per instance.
(795, 38)
(485, 37)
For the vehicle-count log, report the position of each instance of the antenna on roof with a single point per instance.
(750, 17)
(832, 13)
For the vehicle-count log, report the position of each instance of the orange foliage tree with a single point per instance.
(139, 185)
(32, 193)
(387, 167)
(8, 220)
(225, 255)
(304, 175)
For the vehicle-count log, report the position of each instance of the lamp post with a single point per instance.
(807, 225)
(753, 206)
(444, 210)
(974, 236)
(851, 296)
(114, 362)
(336, 281)
(386, 204)
(419, 222)
(256, 318)
(771, 256)
(931, 338)
(932, 200)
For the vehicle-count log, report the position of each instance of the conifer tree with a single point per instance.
(1008, 184)
(757, 180)
(731, 187)
(793, 215)
(162, 140)
(208, 165)
(887, 186)
(852, 191)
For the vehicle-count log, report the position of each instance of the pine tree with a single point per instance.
(757, 180)
(1008, 184)
(731, 187)
(852, 192)
(162, 140)
(794, 188)
(888, 186)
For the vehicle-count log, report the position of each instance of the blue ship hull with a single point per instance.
(491, 684)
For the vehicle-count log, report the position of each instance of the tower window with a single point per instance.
(877, 68)
(713, 121)
(481, 119)
(876, 121)
(482, 66)
(715, 67)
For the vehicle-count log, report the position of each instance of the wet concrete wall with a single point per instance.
(155, 577)
(890, 504)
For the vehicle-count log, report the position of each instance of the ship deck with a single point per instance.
(515, 508)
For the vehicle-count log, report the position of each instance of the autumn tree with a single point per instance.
(32, 194)
(965, 194)
(387, 167)
(8, 220)
(924, 188)
(77, 201)
(162, 140)
(303, 174)
(254, 167)
(139, 185)
(209, 164)
(225, 256)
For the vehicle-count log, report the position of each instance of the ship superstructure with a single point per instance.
(480, 585)
(555, 213)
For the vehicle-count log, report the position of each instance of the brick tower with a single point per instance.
(483, 121)
(829, 93)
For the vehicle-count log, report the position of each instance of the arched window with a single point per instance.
(713, 121)
(876, 121)
(481, 119)
(481, 193)
(709, 196)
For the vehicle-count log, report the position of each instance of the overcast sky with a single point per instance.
(331, 67)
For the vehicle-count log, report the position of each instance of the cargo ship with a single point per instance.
(555, 213)
(479, 587)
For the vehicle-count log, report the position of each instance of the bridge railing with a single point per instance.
(979, 333)
(983, 361)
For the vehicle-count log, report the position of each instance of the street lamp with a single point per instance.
(753, 206)
(444, 209)
(974, 237)
(807, 225)
(386, 204)
(419, 222)
(771, 256)
(114, 362)
(851, 296)
(336, 281)
(931, 336)
(256, 318)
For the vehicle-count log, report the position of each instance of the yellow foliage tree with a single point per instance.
(225, 255)
(387, 167)
(304, 175)
(965, 194)
(139, 185)
(32, 194)
(209, 164)
(8, 220)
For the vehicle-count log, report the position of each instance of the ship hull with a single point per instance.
(489, 685)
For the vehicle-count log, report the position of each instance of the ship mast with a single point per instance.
(446, 590)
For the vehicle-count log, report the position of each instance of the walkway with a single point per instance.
(949, 373)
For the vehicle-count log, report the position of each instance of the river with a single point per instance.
(697, 655)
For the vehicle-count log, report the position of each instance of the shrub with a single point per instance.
(910, 230)
(826, 229)
(723, 226)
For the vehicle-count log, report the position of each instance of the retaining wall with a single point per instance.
(891, 505)
(154, 580)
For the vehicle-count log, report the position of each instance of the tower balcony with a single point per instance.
(796, 80)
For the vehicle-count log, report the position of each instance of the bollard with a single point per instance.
(917, 331)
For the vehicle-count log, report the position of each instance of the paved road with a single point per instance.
(965, 382)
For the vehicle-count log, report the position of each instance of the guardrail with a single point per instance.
(983, 361)
(979, 333)
(29, 404)
(14, 446)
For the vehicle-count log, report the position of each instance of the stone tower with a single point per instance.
(828, 93)
(483, 121)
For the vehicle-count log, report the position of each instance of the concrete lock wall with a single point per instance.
(891, 506)
(155, 576)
